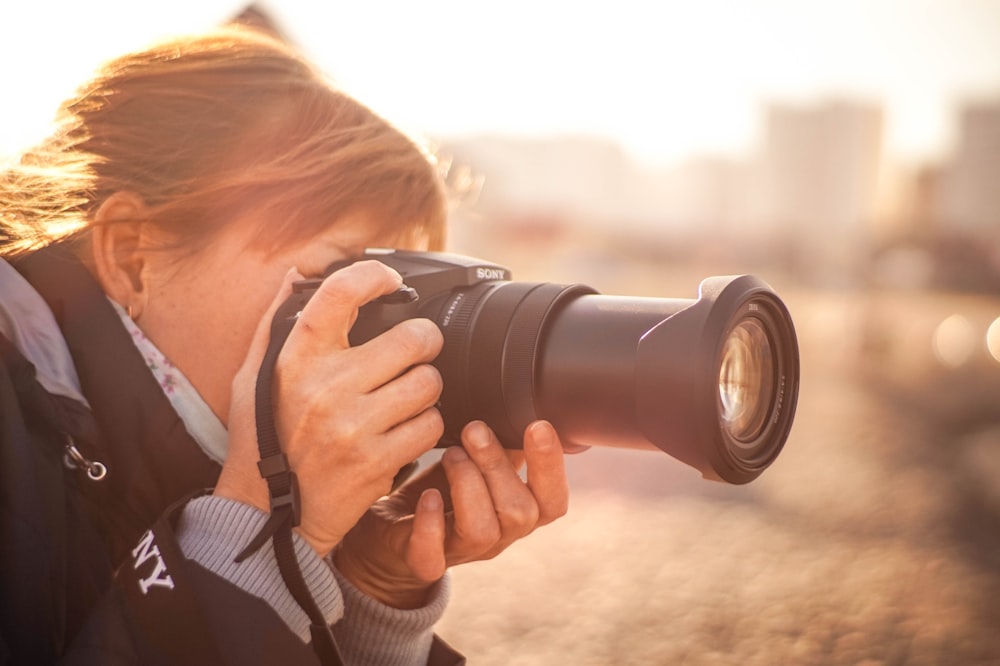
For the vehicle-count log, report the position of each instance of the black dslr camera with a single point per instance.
(712, 381)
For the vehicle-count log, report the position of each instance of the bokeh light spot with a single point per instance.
(993, 339)
(954, 341)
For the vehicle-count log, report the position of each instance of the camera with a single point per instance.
(712, 381)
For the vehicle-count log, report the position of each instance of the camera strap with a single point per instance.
(283, 487)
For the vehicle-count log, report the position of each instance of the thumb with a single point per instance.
(425, 550)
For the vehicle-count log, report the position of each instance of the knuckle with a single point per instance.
(350, 286)
(370, 269)
(435, 423)
(378, 270)
(424, 335)
(492, 459)
(427, 381)
(346, 428)
(519, 516)
(410, 340)
(483, 536)
(335, 292)
(428, 427)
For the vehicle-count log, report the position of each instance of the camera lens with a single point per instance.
(746, 380)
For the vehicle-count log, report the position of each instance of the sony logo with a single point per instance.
(484, 273)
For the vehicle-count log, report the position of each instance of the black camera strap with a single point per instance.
(283, 487)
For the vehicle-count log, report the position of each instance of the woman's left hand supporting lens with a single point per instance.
(407, 541)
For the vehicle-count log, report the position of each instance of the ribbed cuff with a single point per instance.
(373, 634)
(213, 530)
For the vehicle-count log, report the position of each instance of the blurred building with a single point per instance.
(818, 199)
(819, 167)
(970, 198)
(590, 182)
(817, 178)
(948, 237)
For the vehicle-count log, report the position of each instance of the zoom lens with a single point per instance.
(712, 381)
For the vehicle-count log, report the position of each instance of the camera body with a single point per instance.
(486, 360)
(711, 381)
(428, 278)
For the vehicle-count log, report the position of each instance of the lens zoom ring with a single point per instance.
(521, 349)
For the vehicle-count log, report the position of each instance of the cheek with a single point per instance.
(220, 318)
(239, 312)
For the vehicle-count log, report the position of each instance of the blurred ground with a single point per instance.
(874, 539)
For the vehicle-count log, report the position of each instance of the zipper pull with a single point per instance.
(73, 459)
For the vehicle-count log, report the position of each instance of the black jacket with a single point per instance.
(90, 572)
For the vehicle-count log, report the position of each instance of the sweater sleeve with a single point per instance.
(213, 530)
(374, 634)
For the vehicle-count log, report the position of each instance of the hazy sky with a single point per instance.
(665, 78)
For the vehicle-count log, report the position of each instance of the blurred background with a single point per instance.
(848, 152)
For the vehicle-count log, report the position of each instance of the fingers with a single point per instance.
(476, 527)
(326, 321)
(348, 418)
(490, 508)
(411, 342)
(515, 505)
(493, 506)
(414, 437)
(329, 315)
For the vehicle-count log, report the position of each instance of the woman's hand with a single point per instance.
(348, 417)
(407, 541)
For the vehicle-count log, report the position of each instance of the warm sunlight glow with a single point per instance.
(665, 79)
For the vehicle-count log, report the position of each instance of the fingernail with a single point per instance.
(543, 434)
(431, 501)
(478, 434)
(455, 454)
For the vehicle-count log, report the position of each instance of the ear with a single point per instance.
(119, 253)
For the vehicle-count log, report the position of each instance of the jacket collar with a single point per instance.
(25, 320)
(151, 458)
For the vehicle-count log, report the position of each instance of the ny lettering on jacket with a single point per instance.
(144, 552)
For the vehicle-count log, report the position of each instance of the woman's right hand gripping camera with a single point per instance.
(350, 417)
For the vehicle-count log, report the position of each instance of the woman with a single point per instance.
(148, 243)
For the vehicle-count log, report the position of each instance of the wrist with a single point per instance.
(234, 486)
(396, 591)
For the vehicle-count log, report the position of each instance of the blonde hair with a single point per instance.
(205, 127)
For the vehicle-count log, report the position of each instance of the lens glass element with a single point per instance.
(746, 380)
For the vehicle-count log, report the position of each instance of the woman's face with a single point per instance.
(202, 311)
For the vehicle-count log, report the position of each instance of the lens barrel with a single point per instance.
(711, 381)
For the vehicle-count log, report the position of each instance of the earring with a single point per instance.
(128, 311)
